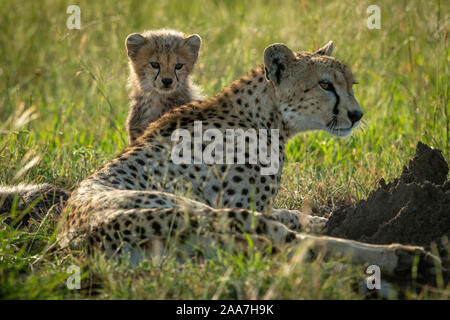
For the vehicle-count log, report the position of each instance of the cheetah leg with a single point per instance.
(156, 227)
(128, 199)
(300, 222)
(145, 232)
(394, 260)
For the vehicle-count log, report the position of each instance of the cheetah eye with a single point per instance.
(154, 65)
(326, 85)
(178, 66)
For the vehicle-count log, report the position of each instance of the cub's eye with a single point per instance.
(154, 65)
(326, 85)
(178, 66)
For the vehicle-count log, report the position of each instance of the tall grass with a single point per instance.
(73, 84)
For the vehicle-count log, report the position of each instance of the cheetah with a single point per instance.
(142, 201)
(160, 64)
(155, 58)
(37, 200)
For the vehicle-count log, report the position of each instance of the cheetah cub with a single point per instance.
(160, 66)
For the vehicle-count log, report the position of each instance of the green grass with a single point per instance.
(73, 84)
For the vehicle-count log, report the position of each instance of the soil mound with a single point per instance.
(413, 209)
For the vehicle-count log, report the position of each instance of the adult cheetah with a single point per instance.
(141, 201)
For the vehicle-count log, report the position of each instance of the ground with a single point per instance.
(63, 100)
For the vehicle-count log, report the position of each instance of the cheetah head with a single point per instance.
(162, 60)
(313, 90)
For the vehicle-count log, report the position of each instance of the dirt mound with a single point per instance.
(413, 209)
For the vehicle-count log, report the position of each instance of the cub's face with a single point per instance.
(314, 90)
(162, 60)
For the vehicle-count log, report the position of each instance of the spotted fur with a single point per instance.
(142, 200)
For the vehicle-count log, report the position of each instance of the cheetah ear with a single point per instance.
(194, 42)
(326, 50)
(276, 59)
(134, 42)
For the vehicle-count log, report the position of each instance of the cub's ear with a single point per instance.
(326, 50)
(133, 43)
(276, 59)
(194, 42)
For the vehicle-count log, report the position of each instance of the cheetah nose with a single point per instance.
(167, 82)
(355, 116)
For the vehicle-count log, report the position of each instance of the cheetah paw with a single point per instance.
(409, 258)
